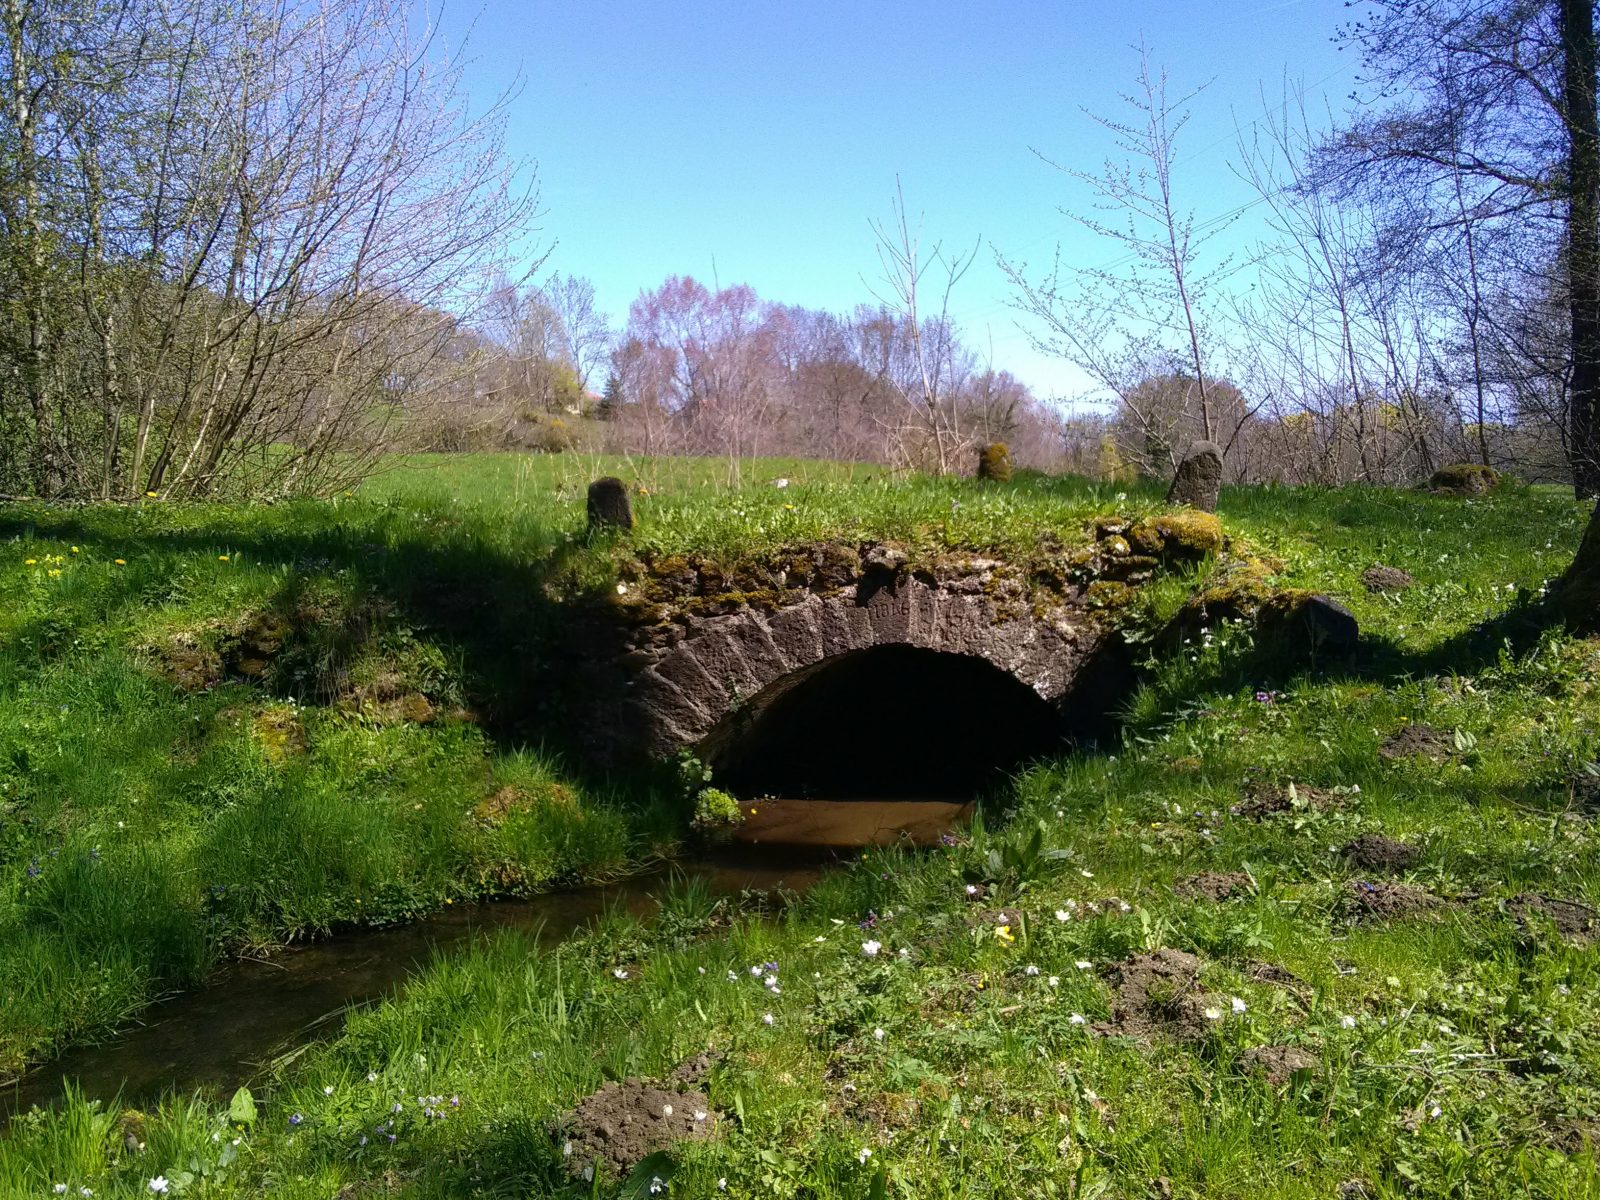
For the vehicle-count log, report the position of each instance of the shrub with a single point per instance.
(994, 462)
(715, 810)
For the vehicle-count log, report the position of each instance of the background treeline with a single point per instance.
(249, 247)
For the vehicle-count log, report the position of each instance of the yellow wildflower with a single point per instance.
(74, 549)
(54, 572)
(121, 562)
(1003, 932)
(30, 562)
(222, 558)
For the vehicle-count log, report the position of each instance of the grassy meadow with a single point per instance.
(1186, 964)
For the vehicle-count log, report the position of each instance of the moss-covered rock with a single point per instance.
(1465, 479)
(1188, 536)
(994, 462)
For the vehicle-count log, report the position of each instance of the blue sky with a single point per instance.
(754, 141)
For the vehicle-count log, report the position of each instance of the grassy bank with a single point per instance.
(1188, 964)
(225, 727)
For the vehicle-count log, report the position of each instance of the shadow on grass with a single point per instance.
(516, 625)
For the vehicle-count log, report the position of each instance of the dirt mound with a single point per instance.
(1413, 741)
(1265, 972)
(1375, 852)
(1158, 993)
(1276, 1063)
(623, 1123)
(1571, 919)
(692, 1071)
(1585, 790)
(1386, 579)
(1574, 1135)
(1263, 799)
(1215, 885)
(1364, 898)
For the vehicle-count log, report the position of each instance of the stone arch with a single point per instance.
(679, 695)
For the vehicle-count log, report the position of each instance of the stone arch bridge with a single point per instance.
(835, 669)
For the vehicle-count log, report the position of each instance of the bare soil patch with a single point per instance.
(1418, 741)
(1375, 852)
(1277, 1064)
(1215, 885)
(1157, 993)
(1383, 900)
(1263, 799)
(1386, 579)
(1572, 920)
(624, 1123)
(1265, 972)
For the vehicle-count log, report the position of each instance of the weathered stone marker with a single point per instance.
(608, 505)
(1199, 478)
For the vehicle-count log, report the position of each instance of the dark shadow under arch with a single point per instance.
(887, 722)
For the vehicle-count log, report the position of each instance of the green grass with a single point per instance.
(1457, 1054)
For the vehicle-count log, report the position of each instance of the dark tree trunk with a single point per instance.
(1583, 240)
(1578, 594)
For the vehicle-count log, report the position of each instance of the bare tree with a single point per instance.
(932, 343)
(1149, 304)
(248, 243)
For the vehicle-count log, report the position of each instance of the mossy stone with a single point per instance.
(994, 462)
(1185, 536)
(1465, 479)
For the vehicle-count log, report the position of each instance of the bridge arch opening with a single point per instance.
(886, 722)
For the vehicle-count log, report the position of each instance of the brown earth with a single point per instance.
(1364, 898)
(1277, 1064)
(1571, 919)
(1386, 579)
(1412, 741)
(1215, 885)
(1263, 799)
(1375, 852)
(1157, 993)
(624, 1123)
(1265, 972)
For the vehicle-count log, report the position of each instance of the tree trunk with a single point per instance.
(1578, 594)
(1583, 241)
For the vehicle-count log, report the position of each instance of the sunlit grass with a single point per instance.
(1456, 1052)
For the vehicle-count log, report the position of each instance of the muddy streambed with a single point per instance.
(220, 1035)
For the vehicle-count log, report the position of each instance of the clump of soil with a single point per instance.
(1265, 972)
(1375, 852)
(1571, 919)
(1574, 1135)
(1586, 791)
(1386, 579)
(1412, 741)
(692, 1071)
(1263, 799)
(1157, 993)
(624, 1123)
(189, 663)
(1382, 900)
(1277, 1064)
(1215, 885)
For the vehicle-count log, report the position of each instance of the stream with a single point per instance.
(222, 1034)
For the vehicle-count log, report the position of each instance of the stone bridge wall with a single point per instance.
(670, 697)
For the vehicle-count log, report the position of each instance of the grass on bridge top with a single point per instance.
(149, 828)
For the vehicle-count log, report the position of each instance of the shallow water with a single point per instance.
(220, 1035)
